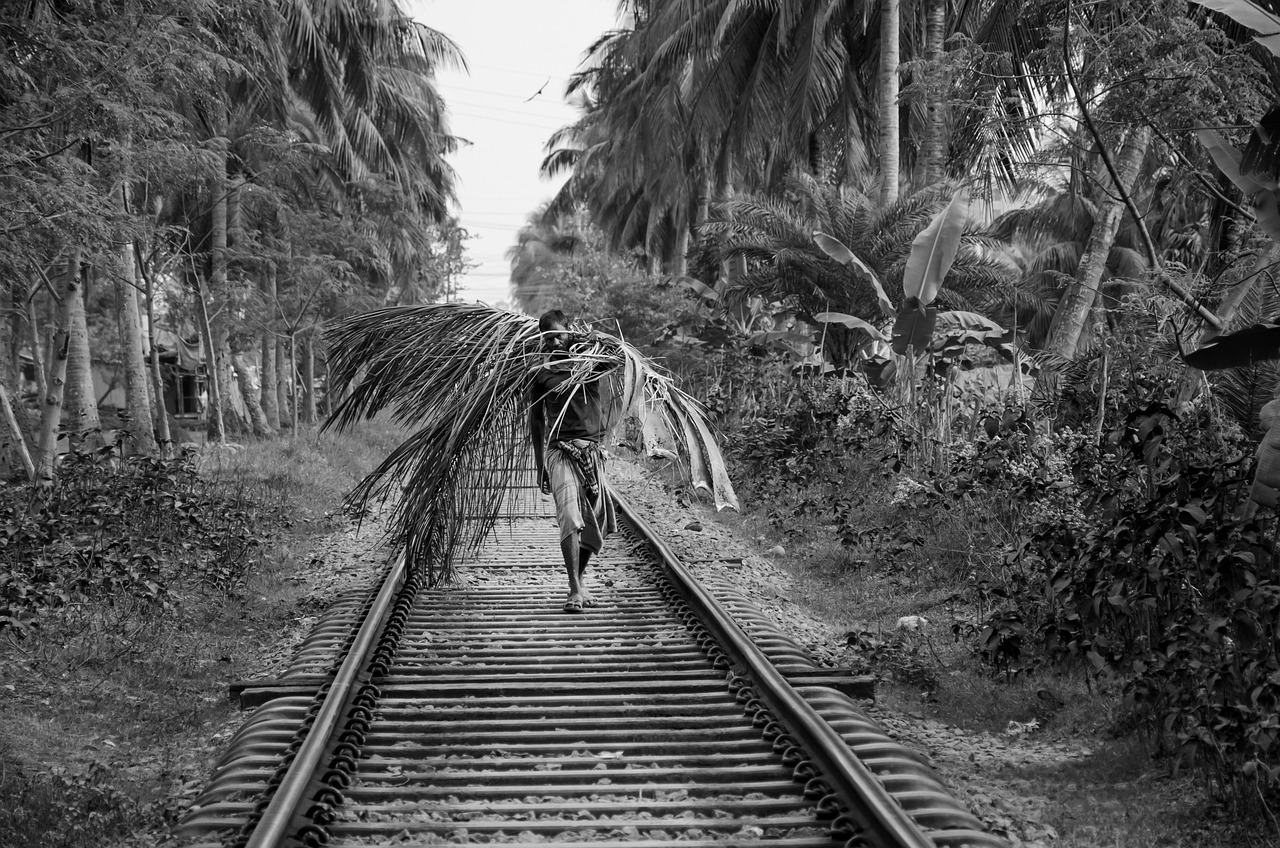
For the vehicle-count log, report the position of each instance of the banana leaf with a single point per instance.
(1228, 162)
(1259, 343)
(853, 322)
(837, 250)
(933, 251)
(913, 327)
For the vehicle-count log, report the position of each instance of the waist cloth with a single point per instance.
(576, 470)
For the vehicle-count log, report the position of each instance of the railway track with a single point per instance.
(671, 713)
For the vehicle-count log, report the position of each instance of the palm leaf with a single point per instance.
(460, 375)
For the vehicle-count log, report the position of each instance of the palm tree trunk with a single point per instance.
(80, 403)
(138, 413)
(935, 147)
(215, 429)
(216, 423)
(51, 406)
(293, 373)
(270, 396)
(890, 24)
(682, 250)
(1069, 320)
(309, 413)
(284, 382)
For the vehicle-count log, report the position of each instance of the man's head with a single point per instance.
(554, 327)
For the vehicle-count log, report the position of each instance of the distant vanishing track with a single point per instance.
(671, 713)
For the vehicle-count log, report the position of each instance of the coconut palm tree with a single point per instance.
(353, 82)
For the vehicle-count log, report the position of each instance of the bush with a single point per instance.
(113, 528)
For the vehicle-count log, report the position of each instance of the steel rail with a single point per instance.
(885, 822)
(272, 828)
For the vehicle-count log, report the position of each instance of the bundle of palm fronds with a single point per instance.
(460, 375)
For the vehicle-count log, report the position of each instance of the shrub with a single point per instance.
(113, 527)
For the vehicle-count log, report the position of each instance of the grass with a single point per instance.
(112, 711)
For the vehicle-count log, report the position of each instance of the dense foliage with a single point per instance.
(1121, 551)
(119, 530)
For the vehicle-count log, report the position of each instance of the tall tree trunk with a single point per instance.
(235, 414)
(309, 380)
(682, 250)
(284, 383)
(215, 429)
(293, 377)
(163, 435)
(935, 145)
(214, 367)
(80, 403)
(270, 376)
(890, 24)
(51, 405)
(250, 392)
(703, 208)
(1077, 302)
(138, 414)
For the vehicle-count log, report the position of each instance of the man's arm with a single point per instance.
(537, 435)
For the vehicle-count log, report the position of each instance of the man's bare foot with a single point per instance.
(588, 599)
(575, 602)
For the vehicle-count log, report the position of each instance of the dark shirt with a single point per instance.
(583, 413)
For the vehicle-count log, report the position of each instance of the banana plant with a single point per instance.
(1259, 342)
(917, 326)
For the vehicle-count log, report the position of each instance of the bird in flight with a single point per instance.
(539, 91)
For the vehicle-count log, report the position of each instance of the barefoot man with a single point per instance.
(566, 425)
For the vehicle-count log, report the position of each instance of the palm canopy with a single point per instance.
(460, 374)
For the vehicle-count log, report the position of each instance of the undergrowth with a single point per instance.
(132, 592)
(112, 528)
(1101, 540)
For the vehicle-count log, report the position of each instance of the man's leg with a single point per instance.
(584, 559)
(569, 548)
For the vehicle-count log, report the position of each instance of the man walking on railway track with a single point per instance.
(567, 423)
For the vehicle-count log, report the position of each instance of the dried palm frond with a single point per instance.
(460, 375)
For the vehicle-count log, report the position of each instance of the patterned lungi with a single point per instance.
(593, 518)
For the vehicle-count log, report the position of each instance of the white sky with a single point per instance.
(512, 48)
